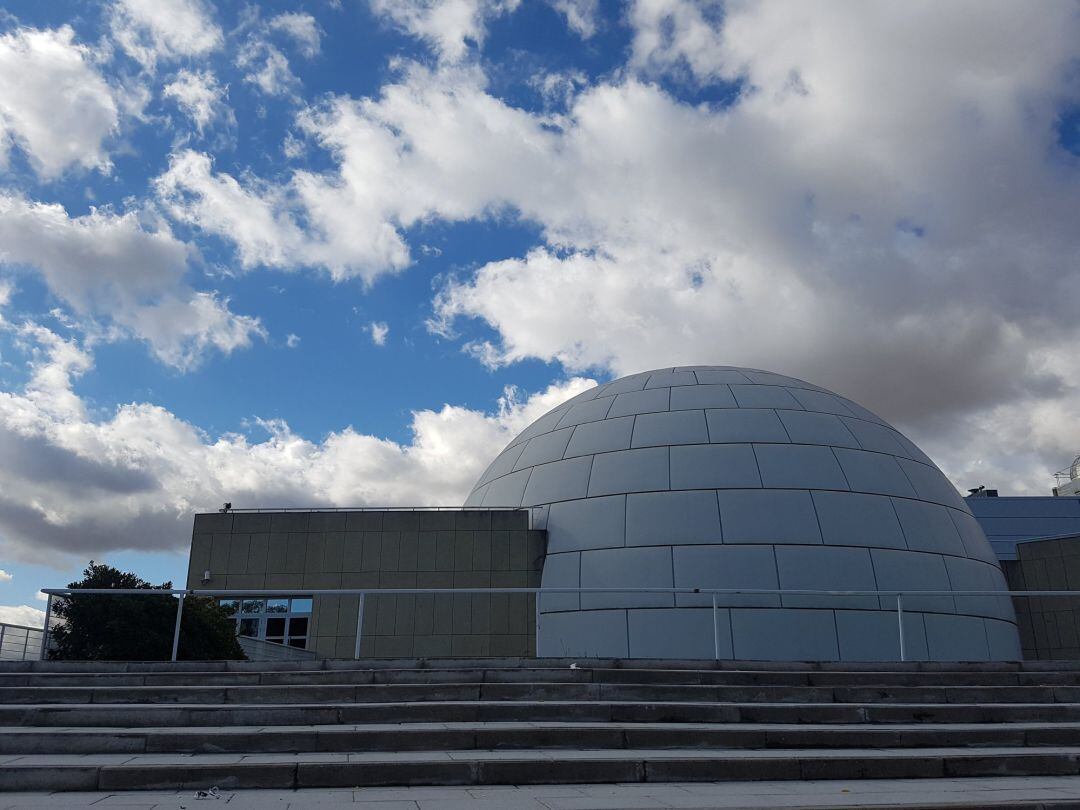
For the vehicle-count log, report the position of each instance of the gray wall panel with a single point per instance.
(678, 633)
(558, 481)
(768, 516)
(641, 470)
(672, 518)
(723, 567)
(799, 466)
(857, 519)
(762, 634)
(584, 524)
(626, 567)
(714, 466)
(664, 429)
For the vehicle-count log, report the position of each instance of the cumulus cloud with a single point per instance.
(74, 483)
(580, 15)
(379, 331)
(5, 576)
(681, 35)
(200, 96)
(153, 30)
(127, 272)
(448, 26)
(23, 615)
(264, 64)
(54, 104)
(343, 235)
(301, 29)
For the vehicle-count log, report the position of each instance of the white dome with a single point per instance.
(720, 477)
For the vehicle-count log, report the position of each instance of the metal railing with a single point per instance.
(715, 593)
(20, 643)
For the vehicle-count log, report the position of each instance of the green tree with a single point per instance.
(95, 627)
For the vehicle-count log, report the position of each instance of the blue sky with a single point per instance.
(338, 253)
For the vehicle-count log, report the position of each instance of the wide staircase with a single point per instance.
(141, 726)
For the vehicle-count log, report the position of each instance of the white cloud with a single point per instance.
(54, 104)
(580, 15)
(301, 29)
(23, 615)
(152, 30)
(5, 576)
(344, 235)
(41, 597)
(292, 341)
(448, 26)
(73, 483)
(116, 268)
(379, 331)
(267, 68)
(200, 96)
(681, 34)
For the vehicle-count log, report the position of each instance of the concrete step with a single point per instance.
(180, 715)
(400, 692)
(231, 771)
(512, 736)
(540, 675)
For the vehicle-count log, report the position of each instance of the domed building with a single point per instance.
(731, 478)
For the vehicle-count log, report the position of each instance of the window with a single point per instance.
(282, 620)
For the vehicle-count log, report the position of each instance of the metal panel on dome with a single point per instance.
(956, 638)
(912, 571)
(836, 568)
(677, 633)
(876, 473)
(764, 396)
(714, 466)
(720, 376)
(693, 397)
(761, 634)
(651, 401)
(809, 427)
(878, 438)
(558, 481)
(726, 567)
(928, 527)
(738, 425)
(544, 448)
(768, 516)
(641, 470)
(589, 523)
(646, 567)
(666, 379)
(670, 428)
(601, 437)
(799, 466)
(857, 519)
(672, 518)
(591, 411)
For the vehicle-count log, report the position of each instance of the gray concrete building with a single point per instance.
(302, 551)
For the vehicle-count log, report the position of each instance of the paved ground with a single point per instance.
(1051, 792)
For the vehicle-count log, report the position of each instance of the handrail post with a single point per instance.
(3, 627)
(536, 622)
(25, 644)
(900, 623)
(715, 631)
(359, 626)
(45, 630)
(176, 630)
